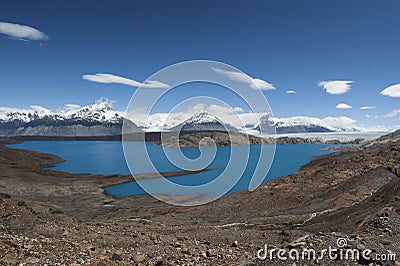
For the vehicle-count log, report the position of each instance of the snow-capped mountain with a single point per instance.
(94, 120)
(203, 122)
(296, 125)
(269, 125)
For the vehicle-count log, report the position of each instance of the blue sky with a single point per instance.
(291, 44)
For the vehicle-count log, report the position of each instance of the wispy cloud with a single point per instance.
(343, 106)
(336, 87)
(71, 107)
(39, 108)
(254, 83)
(110, 78)
(392, 113)
(22, 32)
(392, 91)
(367, 107)
(290, 92)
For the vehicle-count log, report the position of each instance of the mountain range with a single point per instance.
(100, 119)
(93, 120)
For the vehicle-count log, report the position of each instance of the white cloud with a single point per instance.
(238, 109)
(392, 91)
(343, 106)
(336, 86)
(392, 113)
(110, 78)
(367, 107)
(71, 107)
(339, 121)
(290, 92)
(41, 109)
(254, 83)
(22, 32)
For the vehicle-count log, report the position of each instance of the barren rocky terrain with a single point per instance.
(57, 218)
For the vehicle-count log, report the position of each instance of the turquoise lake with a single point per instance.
(107, 157)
